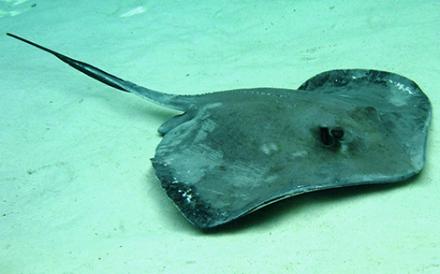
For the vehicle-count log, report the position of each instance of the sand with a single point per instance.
(77, 190)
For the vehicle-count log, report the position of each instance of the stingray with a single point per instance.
(229, 153)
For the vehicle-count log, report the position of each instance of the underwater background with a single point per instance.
(78, 193)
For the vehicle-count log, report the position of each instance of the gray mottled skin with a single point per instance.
(233, 152)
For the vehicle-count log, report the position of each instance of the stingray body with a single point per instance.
(232, 152)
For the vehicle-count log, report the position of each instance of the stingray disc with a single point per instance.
(239, 150)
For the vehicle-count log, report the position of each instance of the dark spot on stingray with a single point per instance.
(331, 136)
(232, 152)
(326, 139)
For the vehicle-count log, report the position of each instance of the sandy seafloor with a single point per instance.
(77, 190)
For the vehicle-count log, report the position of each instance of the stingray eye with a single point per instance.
(324, 134)
(331, 136)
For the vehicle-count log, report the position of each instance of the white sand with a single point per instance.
(77, 190)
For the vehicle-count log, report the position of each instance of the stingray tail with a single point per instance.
(177, 102)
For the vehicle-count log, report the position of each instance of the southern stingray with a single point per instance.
(232, 152)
